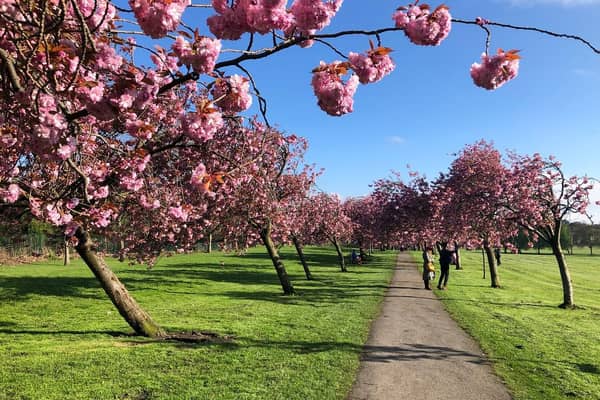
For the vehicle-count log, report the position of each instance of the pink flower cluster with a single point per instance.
(202, 124)
(157, 18)
(10, 194)
(231, 94)
(51, 123)
(495, 71)
(422, 26)
(333, 94)
(373, 66)
(262, 16)
(201, 55)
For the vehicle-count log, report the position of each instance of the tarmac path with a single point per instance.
(415, 351)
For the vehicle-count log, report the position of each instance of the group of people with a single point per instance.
(447, 257)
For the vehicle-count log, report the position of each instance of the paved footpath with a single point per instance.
(417, 352)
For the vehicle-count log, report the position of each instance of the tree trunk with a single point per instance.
(284, 279)
(135, 316)
(121, 250)
(209, 244)
(489, 252)
(565, 275)
(300, 252)
(340, 255)
(66, 254)
(457, 252)
(483, 261)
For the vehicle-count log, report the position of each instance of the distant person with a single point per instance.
(497, 254)
(428, 268)
(354, 257)
(445, 260)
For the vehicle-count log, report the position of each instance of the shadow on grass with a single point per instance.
(62, 332)
(496, 303)
(19, 288)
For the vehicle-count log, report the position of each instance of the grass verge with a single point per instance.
(540, 351)
(61, 338)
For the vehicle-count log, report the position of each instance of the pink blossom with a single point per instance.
(157, 18)
(10, 194)
(495, 71)
(147, 204)
(202, 124)
(231, 94)
(422, 26)
(373, 66)
(101, 192)
(101, 218)
(198, 175)
(263, 16)
(314, 14)
(201, 55)
(132, 182)
(334, 96)
(179, 212)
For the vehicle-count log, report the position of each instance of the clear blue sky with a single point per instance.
(429, 108)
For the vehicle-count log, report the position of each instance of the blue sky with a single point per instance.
(429, 108)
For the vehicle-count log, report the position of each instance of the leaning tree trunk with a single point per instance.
(300, 252)
(66, 254)
(135, 316)
(457, 252)
(340, 254)
(565, 275)
(284, 279)
(495, 279)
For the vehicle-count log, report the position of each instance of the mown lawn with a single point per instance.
(61, 338)
(541, 351)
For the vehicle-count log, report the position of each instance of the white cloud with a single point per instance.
(396, 139)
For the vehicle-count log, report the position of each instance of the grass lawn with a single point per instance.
(61, 338)
(542, 352)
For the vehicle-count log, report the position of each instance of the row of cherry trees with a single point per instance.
(93, 140)
(483, 200)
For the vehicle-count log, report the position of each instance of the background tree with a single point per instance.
(540, 197)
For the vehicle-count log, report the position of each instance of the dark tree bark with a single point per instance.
(489, 252)
(457, 252)
(300, 252)
(135, 316)
(565, 275)
(66, 254)
(284, 279)
(340, 254)
(121, 250)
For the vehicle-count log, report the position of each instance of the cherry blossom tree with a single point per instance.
(472, 197)
(407, 212)
(541, 196)
(257, 207)
(333, 225)
(363, 212)
(89, 136)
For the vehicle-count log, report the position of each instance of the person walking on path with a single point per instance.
(415, 351)
(445, 261)
(428, 268)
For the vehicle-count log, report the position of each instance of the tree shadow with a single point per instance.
(20, 288)
(413, 352)
(497, 303)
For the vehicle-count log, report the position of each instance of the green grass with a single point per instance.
(61, 338)
(542, 352)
